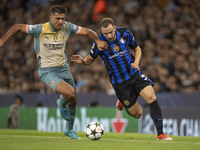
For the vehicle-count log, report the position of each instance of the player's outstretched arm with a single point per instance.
(80, 60)
(102, 45)
(11, 32)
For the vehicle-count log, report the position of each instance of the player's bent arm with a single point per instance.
(138, 54)
(88, 32)
(15, 28)
(92, 35)
(80, 60)
(88, 60)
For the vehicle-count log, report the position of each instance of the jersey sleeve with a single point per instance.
(34, 30)
(132, 41)
(94, 52)
(72, 27)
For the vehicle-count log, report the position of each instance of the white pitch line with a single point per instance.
(117, 140)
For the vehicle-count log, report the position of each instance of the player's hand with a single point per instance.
(77, 58)
(119, 105)
(135, 66)
(102, 45)
(1, 43)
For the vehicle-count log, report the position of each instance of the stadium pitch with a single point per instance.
(35, 140)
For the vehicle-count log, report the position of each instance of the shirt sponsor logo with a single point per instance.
(54, 46)
(118, 54)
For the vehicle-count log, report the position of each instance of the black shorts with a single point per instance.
(127, 92)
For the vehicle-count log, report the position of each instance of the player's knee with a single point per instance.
(73, 103)
(137, 116)
(151, 97)
(70, 95)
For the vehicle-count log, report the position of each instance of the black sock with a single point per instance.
(156, 115)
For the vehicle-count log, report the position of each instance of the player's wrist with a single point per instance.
(84, 62)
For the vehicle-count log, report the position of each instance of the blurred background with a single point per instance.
(168, 31)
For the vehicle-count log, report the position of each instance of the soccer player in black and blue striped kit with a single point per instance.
(124, 71)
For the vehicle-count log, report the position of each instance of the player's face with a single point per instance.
(57, 21)
(109, 32)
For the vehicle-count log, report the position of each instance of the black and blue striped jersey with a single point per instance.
(117, 58)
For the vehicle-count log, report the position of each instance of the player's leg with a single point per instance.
(68, 131)
(127, 98)
(135, 110)
(149, 95)
(61, 81)
(67, 97)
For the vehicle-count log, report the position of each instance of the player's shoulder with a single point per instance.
(70, 26)
(101, 36)
(45, 25)
(67, 25)
(122, 29)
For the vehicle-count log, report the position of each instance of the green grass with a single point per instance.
(35, 140)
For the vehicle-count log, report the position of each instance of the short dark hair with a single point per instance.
(106, 21)
(59, 9)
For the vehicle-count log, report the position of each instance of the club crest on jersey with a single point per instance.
(126, 102)
(63, 37)
(116, 48)
(122, 40)
(52, 83)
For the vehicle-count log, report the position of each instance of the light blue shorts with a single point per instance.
(53, 75)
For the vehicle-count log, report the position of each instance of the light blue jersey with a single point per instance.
(50, 48)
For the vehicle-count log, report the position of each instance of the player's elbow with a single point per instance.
(20, 27)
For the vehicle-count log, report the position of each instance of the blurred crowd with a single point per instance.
(168, 31)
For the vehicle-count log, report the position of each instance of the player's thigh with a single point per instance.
(66, 90)
(148, 94)
(126, 94)
(135, 110)
(51, 79)
(67, 86)
(61, 81)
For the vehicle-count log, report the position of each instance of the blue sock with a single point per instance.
(69, 124)
(63, 102)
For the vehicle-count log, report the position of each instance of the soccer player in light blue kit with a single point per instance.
(50, 43)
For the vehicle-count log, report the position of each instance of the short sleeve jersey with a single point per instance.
(117, 58)
(50, 44)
